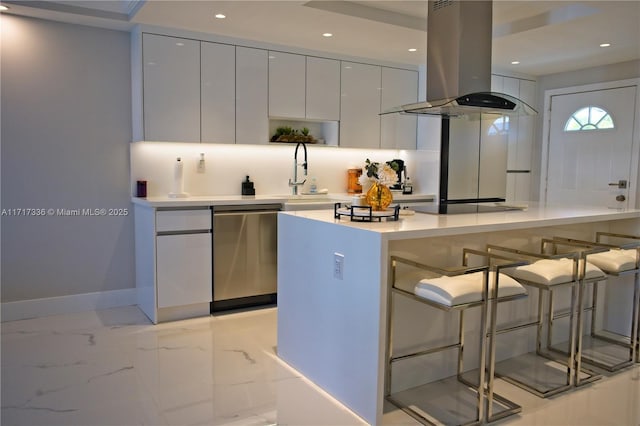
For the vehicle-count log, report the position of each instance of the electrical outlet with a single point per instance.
(338, 265)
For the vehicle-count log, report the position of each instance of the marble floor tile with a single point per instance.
(113, 367)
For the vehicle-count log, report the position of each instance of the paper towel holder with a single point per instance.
(178, 182)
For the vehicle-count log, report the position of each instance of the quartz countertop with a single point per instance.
(219, 200)
(421, 225)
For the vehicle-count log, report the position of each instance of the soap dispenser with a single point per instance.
(247, 187)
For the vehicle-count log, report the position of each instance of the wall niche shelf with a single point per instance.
(325, 132)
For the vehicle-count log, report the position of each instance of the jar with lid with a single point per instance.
(353, 183)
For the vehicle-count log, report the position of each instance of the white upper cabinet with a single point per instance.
(399, 87)
(360, 105)
(286, 85)
(511, 87)
(519, 137)
(171, 91)
(218, 86)
(187, 90)
(252, 96)
(323, 89)
(523, 158)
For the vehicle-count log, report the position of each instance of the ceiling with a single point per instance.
(545, 36)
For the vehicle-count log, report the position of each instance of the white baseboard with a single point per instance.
(23, 309)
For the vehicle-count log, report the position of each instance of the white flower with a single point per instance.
(374, 172)
(387, 176)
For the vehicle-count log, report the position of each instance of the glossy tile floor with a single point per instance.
(113, 367)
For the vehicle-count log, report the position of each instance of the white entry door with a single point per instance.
(590, 148)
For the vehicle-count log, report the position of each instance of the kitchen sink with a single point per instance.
(308, 202)
(308, 198)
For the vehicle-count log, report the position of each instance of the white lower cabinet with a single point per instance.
(183, 269)
(174, 262)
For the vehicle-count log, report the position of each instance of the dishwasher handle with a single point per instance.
(246, 208)
(244, 213)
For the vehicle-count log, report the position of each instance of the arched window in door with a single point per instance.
(500, 126)
(589, 118)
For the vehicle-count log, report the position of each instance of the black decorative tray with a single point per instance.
(365, 213)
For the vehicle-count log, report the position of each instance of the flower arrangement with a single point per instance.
(382, 174)
(380, 178)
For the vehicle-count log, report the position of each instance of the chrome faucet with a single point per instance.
(294, 184)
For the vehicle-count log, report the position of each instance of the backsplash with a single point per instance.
(269, 167)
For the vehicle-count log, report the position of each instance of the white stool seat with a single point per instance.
(614, 261)
(553, 271)
(463, 289)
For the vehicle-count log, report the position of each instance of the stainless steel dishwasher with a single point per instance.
(245, 260)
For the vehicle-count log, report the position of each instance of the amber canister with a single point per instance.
(353, 183)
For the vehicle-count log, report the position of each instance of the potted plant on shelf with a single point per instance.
(289, 134)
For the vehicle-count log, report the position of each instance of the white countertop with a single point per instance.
(230, 200)
(429, 225)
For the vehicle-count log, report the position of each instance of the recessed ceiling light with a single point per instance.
(515, 62)
(605, 45)
(220, 15)
(179, 43)
(413, 50)
(327, 35)
(3, 8)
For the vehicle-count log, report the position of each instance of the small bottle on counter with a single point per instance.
(313, 188)
(407, 187)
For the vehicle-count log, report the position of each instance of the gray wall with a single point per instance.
(66, 127)
(614, 72)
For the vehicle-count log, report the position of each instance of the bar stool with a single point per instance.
(453, 290)
(614, 261)
(636, 238)
(548, 273)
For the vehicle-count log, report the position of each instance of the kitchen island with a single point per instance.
(332, 317)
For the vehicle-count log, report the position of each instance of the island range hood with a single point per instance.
(459, 36)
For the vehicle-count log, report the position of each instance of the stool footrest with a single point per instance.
(611, 356)
(449, 401)
(424, 352)
(530, 370)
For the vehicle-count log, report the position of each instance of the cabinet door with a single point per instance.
(171, 88)
(183, 264)
(519, 186)
(526, 124)
(399, 87)
(252, 120)
(218, 103)
(360, 105)
(323, 89)
(286, 85)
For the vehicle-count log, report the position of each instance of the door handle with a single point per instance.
(622, 184)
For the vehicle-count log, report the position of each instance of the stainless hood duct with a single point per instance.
(459, 36)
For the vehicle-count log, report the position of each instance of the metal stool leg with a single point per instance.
(614, 261)
(539, 276)
(483, 389)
